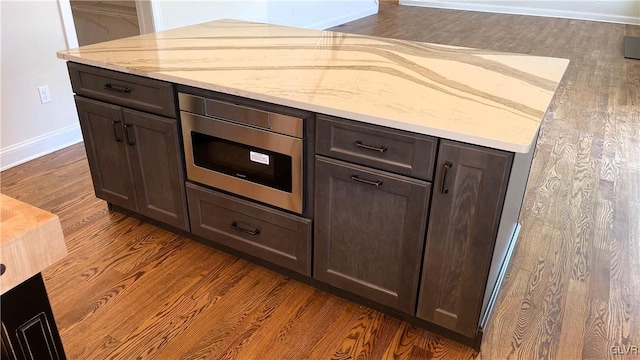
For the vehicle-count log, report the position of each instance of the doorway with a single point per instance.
(87, 22)
(99, 21)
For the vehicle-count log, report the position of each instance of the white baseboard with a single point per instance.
(371, 10)
(24, 151)
(517, 10)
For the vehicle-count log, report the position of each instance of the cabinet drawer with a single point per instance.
(123, 89)
(397, 151)
(257, 230)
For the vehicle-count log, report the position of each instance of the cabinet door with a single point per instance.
(107, 153)
(29, 329)
(154, 150)
(369, 232)
(465, 213)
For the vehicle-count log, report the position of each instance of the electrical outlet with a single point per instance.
(45, 95)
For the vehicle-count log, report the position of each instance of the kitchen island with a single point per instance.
(416, 155)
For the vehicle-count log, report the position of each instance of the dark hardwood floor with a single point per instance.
(130, 290)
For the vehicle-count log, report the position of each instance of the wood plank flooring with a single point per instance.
(129, 290)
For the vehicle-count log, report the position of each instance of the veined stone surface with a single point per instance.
(476, 96)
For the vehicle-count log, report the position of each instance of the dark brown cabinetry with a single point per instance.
(134, 159)
(369, 232)
(422, 226)
(157, 167)
(29, 331)
(465, 214)
(381, 148)
(107, 152)
(136, 92)
(278, 237)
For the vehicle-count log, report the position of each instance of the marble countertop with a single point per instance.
(31, 240)
(476, 96)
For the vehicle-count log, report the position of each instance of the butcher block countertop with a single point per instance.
(476, 96)
(31, 240)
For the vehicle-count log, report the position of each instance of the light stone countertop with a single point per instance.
(476, 96)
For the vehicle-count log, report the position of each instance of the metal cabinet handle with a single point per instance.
(447, 165)
(369, 147)
(368, 182)
(126, 134)
(117, 88)
(246, 231)
(115, 123)
(3, 268)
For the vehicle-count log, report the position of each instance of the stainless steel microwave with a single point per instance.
(249, 152)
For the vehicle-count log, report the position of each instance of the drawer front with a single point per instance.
(382, 148)
(257, 230)
(123, 89)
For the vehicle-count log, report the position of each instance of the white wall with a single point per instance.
(173, 14)
(320, 14)
(619, 11)
(32, 32)
(314, 14)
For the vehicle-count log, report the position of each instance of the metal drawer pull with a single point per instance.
(369, 147)
(117, 88)
(126, 134)
(115, 123)
(447, 165)
(246, 231)
(368, 182)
